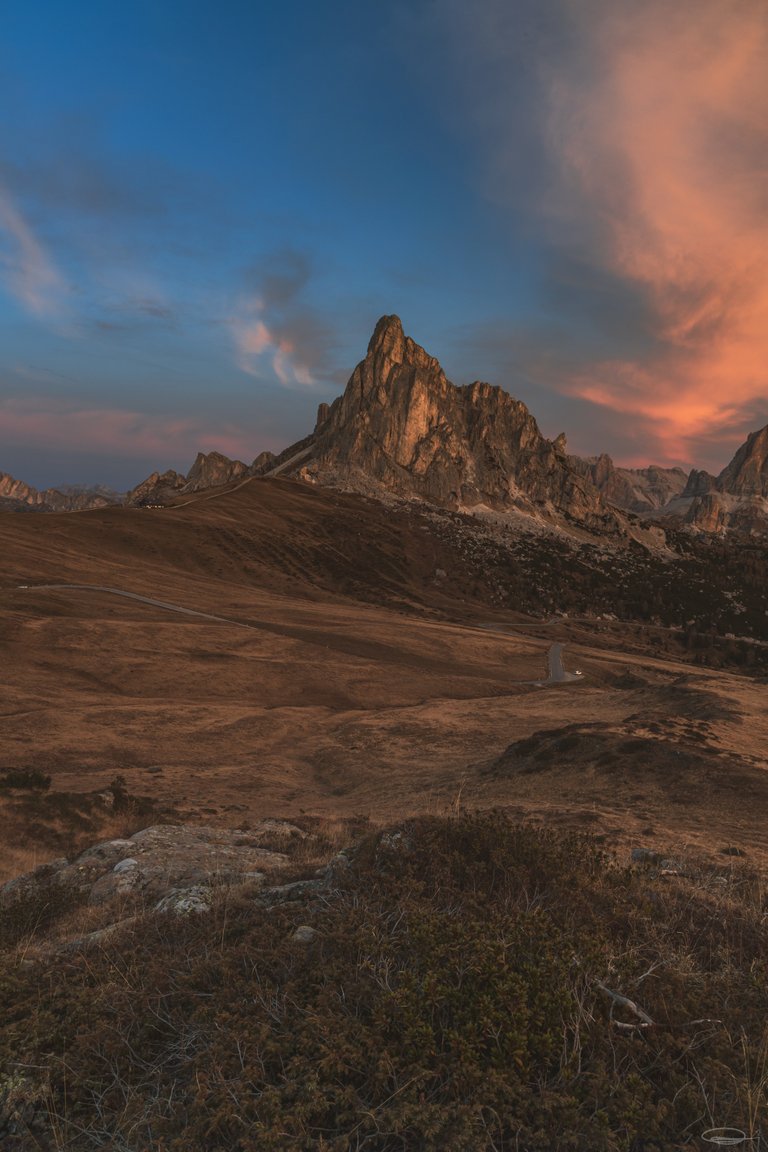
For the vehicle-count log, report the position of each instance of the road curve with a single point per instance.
(556, 673)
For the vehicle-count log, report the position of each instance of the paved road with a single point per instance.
(133, 596)
(556, 672)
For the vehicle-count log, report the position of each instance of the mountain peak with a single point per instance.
(747, 473)
(403, 428)
(388, 339)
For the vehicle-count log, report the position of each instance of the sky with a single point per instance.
(205, 208)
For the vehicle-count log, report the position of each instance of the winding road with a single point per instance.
(133, 596)
(556, 672)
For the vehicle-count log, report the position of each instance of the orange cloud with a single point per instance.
(662, 146)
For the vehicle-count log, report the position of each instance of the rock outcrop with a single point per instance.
(212, 469)
(747, 473)
(15, 495)
(402, 428)
(158, 488)
(737, 499)
(160, 862)
(640, 490)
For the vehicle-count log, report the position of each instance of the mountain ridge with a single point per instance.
(402, 429)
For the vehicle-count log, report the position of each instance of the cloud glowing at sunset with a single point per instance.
(662, 148)
(253, 338)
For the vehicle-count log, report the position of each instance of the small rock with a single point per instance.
(186, 902)
(304, 934)
(123, 865)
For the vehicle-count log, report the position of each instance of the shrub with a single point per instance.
(449, 1001)
(27, 778)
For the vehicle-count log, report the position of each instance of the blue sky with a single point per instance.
(204, 209)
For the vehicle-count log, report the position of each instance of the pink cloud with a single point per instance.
(43, 423)
(662, 145)
(253, 338)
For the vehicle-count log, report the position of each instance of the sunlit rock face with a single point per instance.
(747, 473)
(402, 426)
(70, 498)
(737, 499)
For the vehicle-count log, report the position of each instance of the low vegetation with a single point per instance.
(471, 984)
(704, 601)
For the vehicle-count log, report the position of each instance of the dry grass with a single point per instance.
(451, 1000)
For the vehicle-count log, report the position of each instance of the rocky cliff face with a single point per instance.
(210, 470)
(158, 488)
(401, 427)
(213, 469)
(747, 473)
(18, 496)
(736, 499)
(640, 490)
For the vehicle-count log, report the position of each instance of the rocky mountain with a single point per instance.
(158, 488)
(15, 495)
(747, 474)
(737, 499)
(402, 428)
(210, 470)
(640, 490)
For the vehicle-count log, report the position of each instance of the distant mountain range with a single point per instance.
(16, 496)
(402, 429)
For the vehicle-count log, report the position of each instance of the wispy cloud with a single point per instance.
(253, 339)
(28, 271)
(273, 322)
(662, 145)
(45, 423)
(631, 137)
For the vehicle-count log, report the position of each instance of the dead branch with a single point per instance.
(644, 1020)
(625, 1002)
